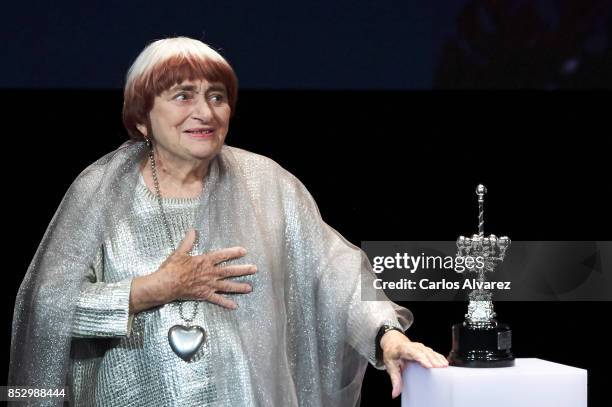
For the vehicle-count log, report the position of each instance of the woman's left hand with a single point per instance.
(398, 350)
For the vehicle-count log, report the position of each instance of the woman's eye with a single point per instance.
(183, 96)
(217, 98)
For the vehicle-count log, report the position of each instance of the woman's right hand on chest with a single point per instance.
(185, 277)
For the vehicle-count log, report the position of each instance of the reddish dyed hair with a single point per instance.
(165, 63)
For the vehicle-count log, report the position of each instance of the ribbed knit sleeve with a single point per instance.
(102, 308)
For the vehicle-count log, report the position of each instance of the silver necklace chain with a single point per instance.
(167, 227)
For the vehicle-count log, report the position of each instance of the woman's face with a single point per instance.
(190, 120)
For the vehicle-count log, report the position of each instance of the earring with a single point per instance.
(149, 143)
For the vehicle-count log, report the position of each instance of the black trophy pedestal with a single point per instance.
(481, 345)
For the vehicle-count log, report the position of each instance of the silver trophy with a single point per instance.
(480, 341)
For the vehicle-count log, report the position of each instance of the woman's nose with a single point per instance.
(202, 108)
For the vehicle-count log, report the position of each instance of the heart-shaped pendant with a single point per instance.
(185, 341)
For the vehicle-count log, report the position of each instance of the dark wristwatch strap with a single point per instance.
(383, 330)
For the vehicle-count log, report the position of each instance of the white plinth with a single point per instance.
(530, 383)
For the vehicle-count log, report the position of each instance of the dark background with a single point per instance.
(389, 153)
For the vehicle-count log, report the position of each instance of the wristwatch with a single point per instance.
(383, 330)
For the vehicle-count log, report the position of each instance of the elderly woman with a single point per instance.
(181, 271)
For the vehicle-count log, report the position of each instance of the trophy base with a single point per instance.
(481, 345)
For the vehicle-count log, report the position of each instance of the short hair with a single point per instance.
(164, 63)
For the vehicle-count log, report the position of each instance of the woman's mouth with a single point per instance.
(200, 133)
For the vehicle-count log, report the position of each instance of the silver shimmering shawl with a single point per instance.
(305, 331)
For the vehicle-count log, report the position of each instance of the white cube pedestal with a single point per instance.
(530, 383)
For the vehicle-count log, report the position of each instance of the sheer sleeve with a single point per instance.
(344, 277)
(346, 274)
(102, 309)
(366, 317)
